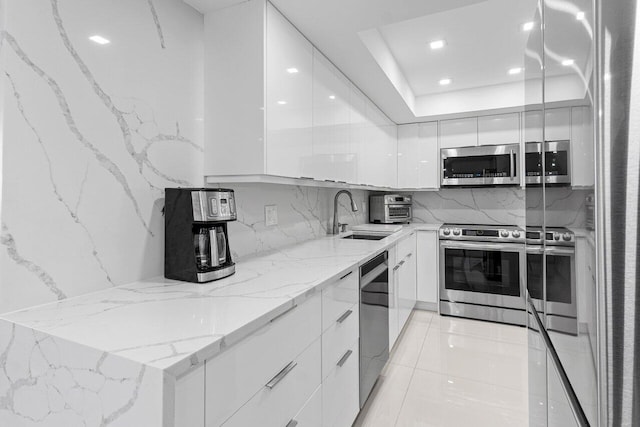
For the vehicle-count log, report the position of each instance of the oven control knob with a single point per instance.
(456, 231)
(504, 233)
(516, 233)
(446, 231)
(566, 237)
(556, 236)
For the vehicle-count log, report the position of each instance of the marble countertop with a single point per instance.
(172, 325)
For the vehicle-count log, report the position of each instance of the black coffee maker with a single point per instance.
(196, 241)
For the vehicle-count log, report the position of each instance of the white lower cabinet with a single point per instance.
(189, 399)
(341, 390)
(427, 267)
(301, 370)
(406, 279)
(236, 375)
(281, 398)
(402, 285)
(311, 413)
(394, 331)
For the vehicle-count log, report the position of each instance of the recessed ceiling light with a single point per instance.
(332, 97)
(99, 39)
(528, 26)
(282, 102)
(568, 62)
(292, 70)
(515, 70)
(444, 82)
(437, 44)
(580, 16)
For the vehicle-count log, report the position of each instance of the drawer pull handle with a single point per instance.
(346, 275)
(292, 423)
(344, 316)
(283, 313)
(344, 358)
(280, 375)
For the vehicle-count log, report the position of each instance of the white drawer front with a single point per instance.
(276, 406)
(341, 392)
(405, 247)
(235, 375)
(338, 337)
(339, 297)
(311, 414)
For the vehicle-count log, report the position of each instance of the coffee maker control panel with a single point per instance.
(213, 205)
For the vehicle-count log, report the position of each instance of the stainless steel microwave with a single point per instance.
(483, 166)
(557, 162)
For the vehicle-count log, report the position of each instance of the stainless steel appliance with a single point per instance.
(196, 236)
(482, 272)
(374, 322)
(557, 166)
(390, 209)
(552, 252)
(482, 166)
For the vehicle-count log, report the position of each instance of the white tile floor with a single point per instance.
(450, 372)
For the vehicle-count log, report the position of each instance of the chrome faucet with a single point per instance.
(354, 207)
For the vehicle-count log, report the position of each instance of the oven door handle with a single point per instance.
(479, 246)
(560, 251)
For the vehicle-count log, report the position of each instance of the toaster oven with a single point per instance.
(390, 209)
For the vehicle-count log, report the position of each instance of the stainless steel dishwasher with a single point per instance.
(374, 322)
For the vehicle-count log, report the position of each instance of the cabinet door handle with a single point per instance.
(280, 375)
(292, 423)
(346, 275)
(344, 316)
(401, 263)
(397, 267)
(283, 313)
(409, 256)
(344, 358)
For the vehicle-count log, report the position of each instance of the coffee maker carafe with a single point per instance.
(196, 237)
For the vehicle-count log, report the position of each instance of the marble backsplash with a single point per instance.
(564, 207)
(91, 135)
(304, 213)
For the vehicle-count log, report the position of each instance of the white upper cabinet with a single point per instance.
(289, 75)
(375, 140)
(459, 133)
(334, 155)
(499, 129)
(532, 126)
(276, 106)
(234, 90)
(418, 155)
(582, 148)
(557, 124)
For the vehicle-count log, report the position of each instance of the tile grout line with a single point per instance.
(413, 371)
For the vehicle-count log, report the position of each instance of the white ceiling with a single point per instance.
(382, 46)
(483, 41)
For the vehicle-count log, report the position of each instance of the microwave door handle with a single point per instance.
(213, 246)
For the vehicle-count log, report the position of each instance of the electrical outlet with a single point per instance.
(271, 215)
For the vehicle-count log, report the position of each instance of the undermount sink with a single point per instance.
(359, 236)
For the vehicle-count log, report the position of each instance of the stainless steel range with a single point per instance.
(482, 272)
(554, 247)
